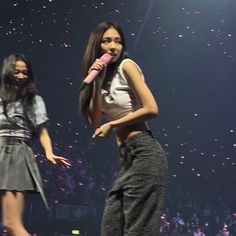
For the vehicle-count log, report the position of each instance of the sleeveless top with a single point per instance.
(118, 98)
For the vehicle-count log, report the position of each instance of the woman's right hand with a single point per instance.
(97, 65)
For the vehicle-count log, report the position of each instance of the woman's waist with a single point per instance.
(8, 131)
(14, 140)
(129, 131)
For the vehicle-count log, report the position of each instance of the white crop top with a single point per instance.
(118, 99)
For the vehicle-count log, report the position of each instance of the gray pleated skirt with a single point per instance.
(18, 167)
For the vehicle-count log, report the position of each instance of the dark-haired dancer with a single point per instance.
(134, 203)
(22, 116)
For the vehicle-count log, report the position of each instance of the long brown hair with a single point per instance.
(92, 52)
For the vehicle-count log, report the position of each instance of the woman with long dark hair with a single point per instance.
(22, 117)
(134, 203)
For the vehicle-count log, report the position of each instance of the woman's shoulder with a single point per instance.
(125, 61)
(38, 99)
(127, 64)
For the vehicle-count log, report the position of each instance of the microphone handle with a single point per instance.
(91, 76)
(105, 58)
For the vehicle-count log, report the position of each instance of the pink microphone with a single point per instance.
(105, 58)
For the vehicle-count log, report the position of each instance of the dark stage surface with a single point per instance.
(187, 51)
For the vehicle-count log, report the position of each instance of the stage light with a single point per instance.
(75, 232)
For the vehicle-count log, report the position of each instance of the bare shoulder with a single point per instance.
(130, 64)
(132, 69)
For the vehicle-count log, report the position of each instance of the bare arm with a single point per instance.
(46, 143)
(148, 108)
(95, 106)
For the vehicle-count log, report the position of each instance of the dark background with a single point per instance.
(187, 51)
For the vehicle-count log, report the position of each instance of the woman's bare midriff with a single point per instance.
(128, 132)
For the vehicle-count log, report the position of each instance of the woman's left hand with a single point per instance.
(58, 160)
(103, 131)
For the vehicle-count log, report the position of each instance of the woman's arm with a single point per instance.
(95, 105)
(148, 109)
(46, 143)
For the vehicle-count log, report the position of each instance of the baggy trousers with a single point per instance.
(133, 205)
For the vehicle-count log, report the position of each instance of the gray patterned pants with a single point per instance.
(134, 204)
